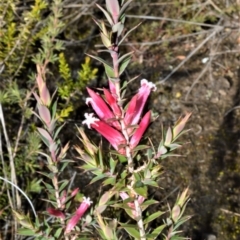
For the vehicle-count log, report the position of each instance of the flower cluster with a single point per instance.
(120, 127)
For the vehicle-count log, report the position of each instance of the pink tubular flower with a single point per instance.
(112, 135)
(134, 113)
(56, 213)
(102, 109)
(112, 103)
(79, 213)
(99, 106)
(125, 196)
(140, 130)
(131, 110)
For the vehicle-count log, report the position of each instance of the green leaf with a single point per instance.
(149, 202)
(97, 178)
(158, 230)
(124, 65)
(141, 191)
(124, 7)
(128, 33)
(63, 185)
(111, 180)
(152, 217)
(26, 232)
(122, 159)
(58, 233)
(131, 229)
(109, 71)
(150, 182)
(57, 131)
(99, 59)
(122, 58)
(106, 14)
(35, 185)
(54, 109)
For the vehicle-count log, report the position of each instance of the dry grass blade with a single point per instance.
(15, 195)
(216, 30)
(23, 193)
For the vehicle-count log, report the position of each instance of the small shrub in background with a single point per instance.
(129, 168)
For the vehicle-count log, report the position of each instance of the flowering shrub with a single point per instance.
(128, 169)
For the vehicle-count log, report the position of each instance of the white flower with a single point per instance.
(149, 84)
(89, 119)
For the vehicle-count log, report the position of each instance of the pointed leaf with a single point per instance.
(132, 231)
(97, 178)
(99, 59)
(109, 71)
(128, 33)
(152, 217)
(124, 64)
(26, 232)
(168, 138)
(158, 230)
(124, 7)
(121, 59)
(106, 14)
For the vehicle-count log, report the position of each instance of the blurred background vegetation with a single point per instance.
(190, 48)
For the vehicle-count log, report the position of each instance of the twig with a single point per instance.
(215, 31)
(22, 123)
(171, 20)
(197, 79)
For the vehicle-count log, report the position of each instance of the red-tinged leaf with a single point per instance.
(106, 197)
(153, 217)
(37, 98)
(180, 124)
(101, 209)
(161, 151)
(183, 197)
(44, 114)
(113, 7)
(176, 213)
(45, 135)
(168, 138)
